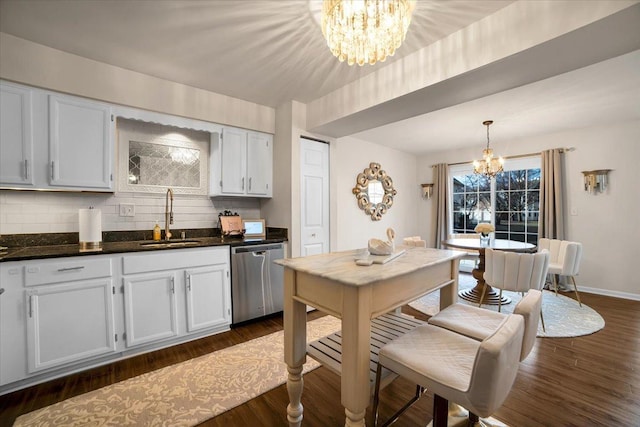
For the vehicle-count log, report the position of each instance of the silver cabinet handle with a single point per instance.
(52, 169)
(173, 285)
(31, 305)
(188, 282)
(80, 267)
(26, 169)
(249, 184)
(243, 183)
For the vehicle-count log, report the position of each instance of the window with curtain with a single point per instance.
(511, 201)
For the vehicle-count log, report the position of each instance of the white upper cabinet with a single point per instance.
(259, 164)
(16, 136)
(233, 152)
(80, 143)
(54, 141)
(241, 163)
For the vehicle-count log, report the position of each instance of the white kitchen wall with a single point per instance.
(354, 228)
(49, 212)
(606, 224)
(34, 64)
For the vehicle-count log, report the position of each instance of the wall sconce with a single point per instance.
(596, 181)
(427, 189)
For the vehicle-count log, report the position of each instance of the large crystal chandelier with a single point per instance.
(365, 31)
(489, 165)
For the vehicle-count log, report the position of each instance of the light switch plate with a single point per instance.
(127, 209)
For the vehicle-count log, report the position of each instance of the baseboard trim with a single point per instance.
(609, 293)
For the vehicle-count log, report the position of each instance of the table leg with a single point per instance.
(295, 347)
(356, 339)
(491, 297)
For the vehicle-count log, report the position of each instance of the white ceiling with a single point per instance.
(272, 51)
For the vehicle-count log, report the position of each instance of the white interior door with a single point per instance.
(314, 198)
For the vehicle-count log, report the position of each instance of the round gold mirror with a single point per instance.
(374, 191)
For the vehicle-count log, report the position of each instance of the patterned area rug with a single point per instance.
(563, 316)
(187, 393)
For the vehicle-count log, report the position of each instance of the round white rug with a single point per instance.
(563, 316)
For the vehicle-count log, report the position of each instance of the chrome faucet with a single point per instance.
(168, 213)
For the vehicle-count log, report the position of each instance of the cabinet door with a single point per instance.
(13, 324)
(80, 143)
(234, 163)
(16, 135)
(208, 297)
(150, 307)
(70, 322)
(259, 164)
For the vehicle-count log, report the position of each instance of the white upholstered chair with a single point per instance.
(516, 272)
(477, 375)
(565, 260)
(470, 255)
(414, 241)
(479, 323)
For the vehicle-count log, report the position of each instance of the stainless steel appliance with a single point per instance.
(256, 282)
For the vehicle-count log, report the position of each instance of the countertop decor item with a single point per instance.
(379, 247)
(230, 223)
(90, 229)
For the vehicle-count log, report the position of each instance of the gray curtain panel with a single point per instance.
(441, 185)
(551, 223)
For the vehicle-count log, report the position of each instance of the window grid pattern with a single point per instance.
(515, 199)
(517, 204)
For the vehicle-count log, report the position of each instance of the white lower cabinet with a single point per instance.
(70, 322)
(207, 296)
(150, 308)
(63, 315)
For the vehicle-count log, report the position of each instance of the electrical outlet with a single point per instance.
(127, 209)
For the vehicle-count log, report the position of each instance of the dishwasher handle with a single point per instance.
(255, 248)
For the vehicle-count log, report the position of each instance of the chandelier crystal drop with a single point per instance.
(365, 31)
(489, 165)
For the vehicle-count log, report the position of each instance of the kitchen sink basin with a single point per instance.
(169, 244)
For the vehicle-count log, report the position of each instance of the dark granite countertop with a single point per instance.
(58, 245)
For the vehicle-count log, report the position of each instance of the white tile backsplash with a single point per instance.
(23, 212)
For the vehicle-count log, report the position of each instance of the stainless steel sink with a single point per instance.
(169, 243)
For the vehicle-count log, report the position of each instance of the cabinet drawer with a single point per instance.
(174, 259)
(71, 269)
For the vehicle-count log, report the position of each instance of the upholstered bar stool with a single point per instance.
(477, 375)
(479, 323)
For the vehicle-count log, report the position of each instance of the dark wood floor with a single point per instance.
(586, 381)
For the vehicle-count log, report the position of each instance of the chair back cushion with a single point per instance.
(495, 367)
(471, 254)
(516, 272)
(529, 308)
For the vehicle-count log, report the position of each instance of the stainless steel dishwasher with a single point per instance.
(256, 282)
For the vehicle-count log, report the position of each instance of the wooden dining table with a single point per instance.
(334, 284)
(491, 297)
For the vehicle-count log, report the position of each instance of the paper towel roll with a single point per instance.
(90, 228)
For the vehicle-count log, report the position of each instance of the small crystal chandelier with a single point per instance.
(365, 31)
(489, 165)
